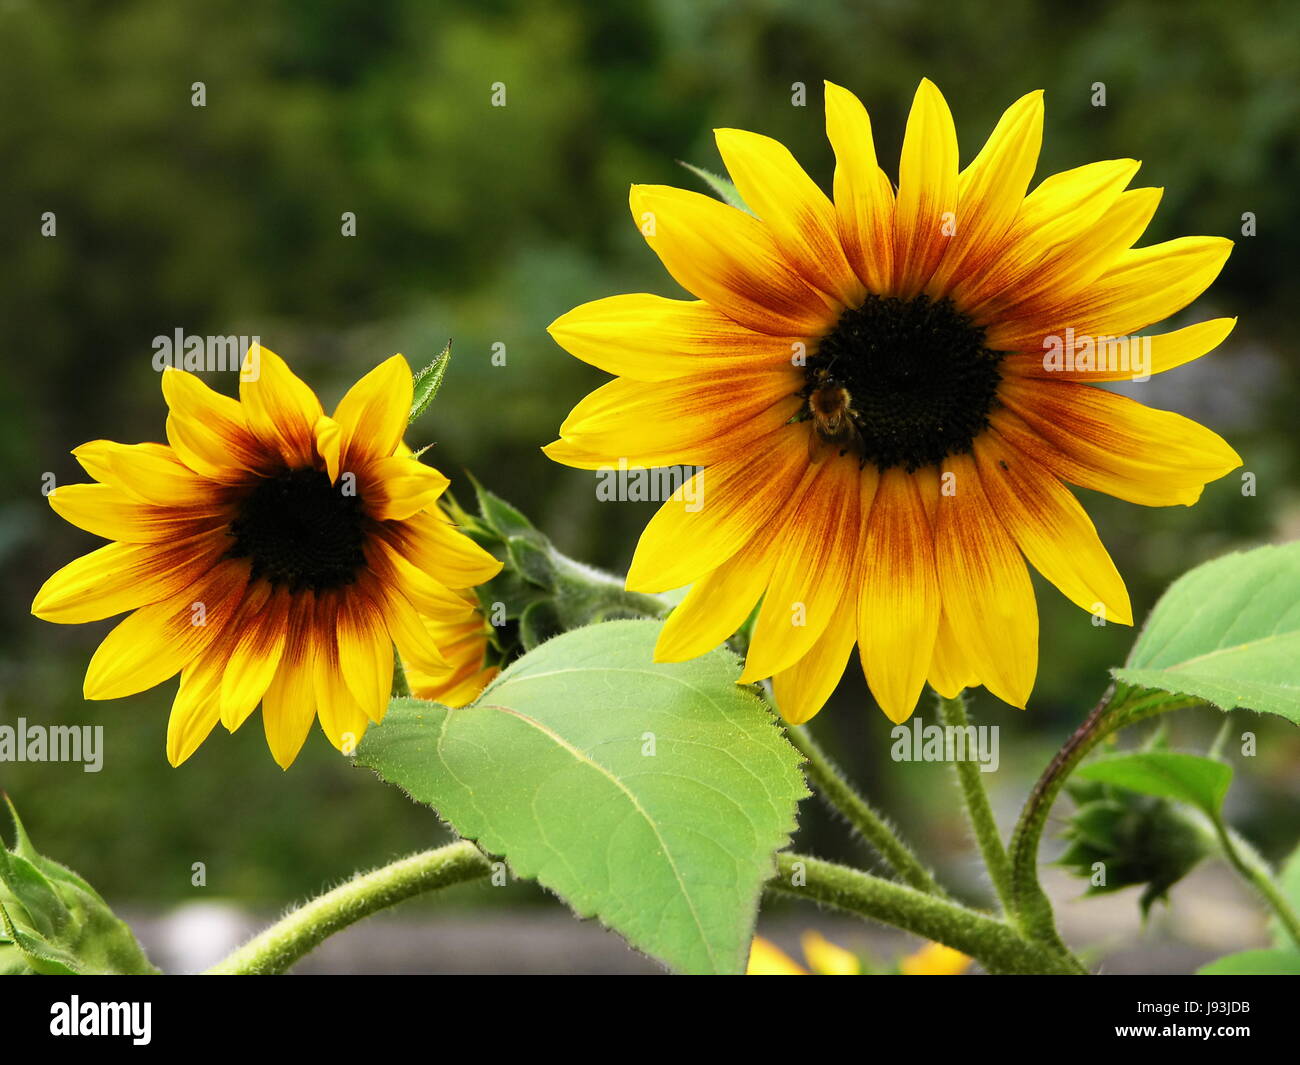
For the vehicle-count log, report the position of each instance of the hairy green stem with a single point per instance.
(1255, 871)
(992, 942)
(1032, 908)
(278, 947)
(978, 808)
(831, 785)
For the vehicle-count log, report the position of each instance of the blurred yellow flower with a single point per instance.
(934, 959)
(825, 958)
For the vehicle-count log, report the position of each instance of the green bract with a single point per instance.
(53, 922)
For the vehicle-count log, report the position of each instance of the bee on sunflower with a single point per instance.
(268, 553)
(863, 380)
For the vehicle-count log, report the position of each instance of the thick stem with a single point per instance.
(995, 944)
(873, 828)
(1033, 909)
(276, 949)
(978, 808)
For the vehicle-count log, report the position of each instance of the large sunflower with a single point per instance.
(270, 554)
(886, 401)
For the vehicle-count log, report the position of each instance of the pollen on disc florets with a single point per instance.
(301, 531)
(920, 381)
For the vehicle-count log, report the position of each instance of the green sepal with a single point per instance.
(427, 383)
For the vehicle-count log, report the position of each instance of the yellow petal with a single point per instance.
(927, 190)
(950, 671)
(985, 586)
(1124, 358)
(442, 551)
(1074, 265)
(626, 426)
(934, 959)
(158, 640)
(819, 534)
(826, 958)
(289, 706)
(373, 415)
(1110, 443)
(329, 445)
(717, 604)
(341, 717)
(767, 959)
(207, 430)
(148, 473)
(1051, 528)
(365, 655)
(402, 560)
(396, 488)
(727, 257)
(991, 189)
(1144, 285)
(196, 708)
(407, 630)
(797, 213)
(650, 338)
(864, 196)
(256, 642)
(113, 514)
(802, 689)
(280, 410)
(898, 605)
(1062, 208)
(714, 514)
(121, 577)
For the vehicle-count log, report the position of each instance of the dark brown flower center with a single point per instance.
(301, 531)
(910, 380)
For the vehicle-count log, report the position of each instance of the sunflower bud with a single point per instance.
(1118, 838)
(52, 922)
(541, 592)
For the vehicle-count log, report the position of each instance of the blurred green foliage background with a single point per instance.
(483, 224)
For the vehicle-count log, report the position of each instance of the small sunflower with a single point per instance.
(864, 380)
(269, 554)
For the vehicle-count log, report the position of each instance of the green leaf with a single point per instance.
(1189, 778)
(726, 190)
(1227, 632)
(427, 383)
(651, 795)
(1254, 963)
